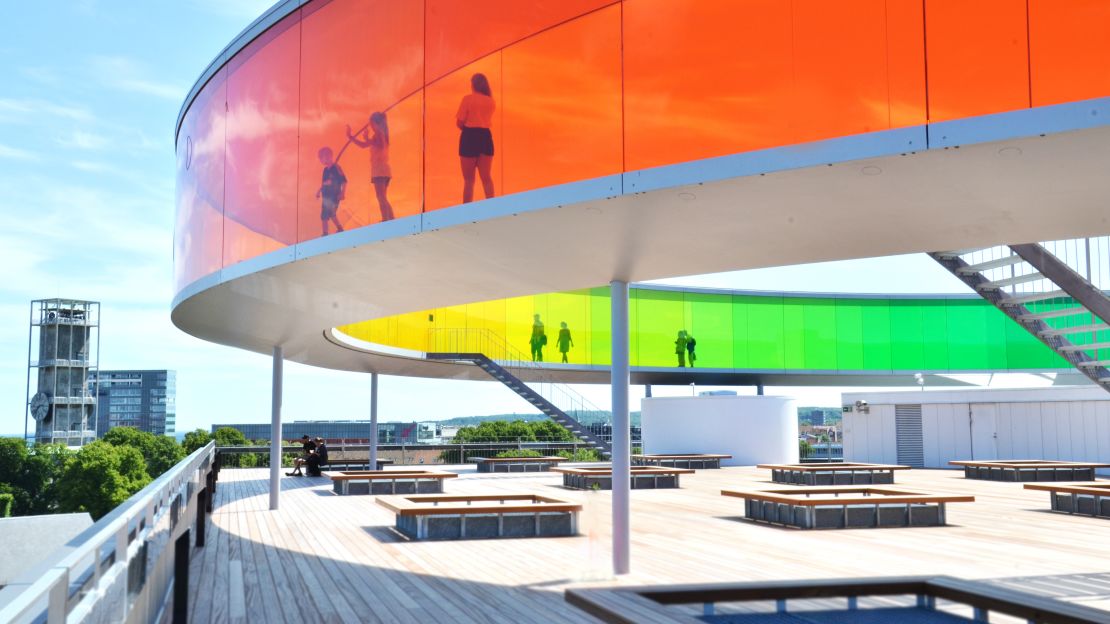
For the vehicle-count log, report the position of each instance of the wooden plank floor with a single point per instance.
(330, 558)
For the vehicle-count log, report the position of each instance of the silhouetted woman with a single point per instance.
(380, 171)
(476, 141)
(564, 341)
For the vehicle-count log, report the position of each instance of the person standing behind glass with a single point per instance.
(538, 339)
(380, 171)
(476, 141)
(564, 341)
(690, 344)
(680, 348)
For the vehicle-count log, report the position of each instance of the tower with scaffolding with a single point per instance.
(66, 334)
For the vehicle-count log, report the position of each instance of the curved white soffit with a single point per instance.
(950, 185)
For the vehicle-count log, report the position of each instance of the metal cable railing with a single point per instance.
(496, 348)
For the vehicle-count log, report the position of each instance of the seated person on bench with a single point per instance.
(312, 464)
(309, 450)
(322, 451)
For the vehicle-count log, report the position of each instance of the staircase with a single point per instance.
(1037, 286)
(554, 400)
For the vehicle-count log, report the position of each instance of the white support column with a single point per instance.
(373, 422)
(275, 432)
(622, 472)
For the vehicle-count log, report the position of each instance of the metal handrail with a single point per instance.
(496, 348)
(83, 578)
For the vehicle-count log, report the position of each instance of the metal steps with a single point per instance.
(1039, 276)
(499, 373)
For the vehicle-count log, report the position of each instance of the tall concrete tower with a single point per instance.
(66, 333)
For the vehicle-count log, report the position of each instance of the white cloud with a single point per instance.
(126, 74)
(17, 109)
(83, 140)
(14, 153)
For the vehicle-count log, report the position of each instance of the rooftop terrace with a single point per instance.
(342, 555)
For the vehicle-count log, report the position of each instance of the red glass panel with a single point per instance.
(1069, 50)
(459, 33)
(905, 43)
(705, 79)
(360, 57)
(978, 57)
(562, 104)
(260, 211)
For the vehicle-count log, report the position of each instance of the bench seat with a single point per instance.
(694, 461)
(444, 517)
(840, 507)
(389, 481)
(843, 473)
(601, 478)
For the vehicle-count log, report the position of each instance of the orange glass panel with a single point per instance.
(562, 104)
(705, 78)
(1069, 50)
(840, 68)
(260, 211)
(905, 52)
(459, 33)
(978, 57)
(198, 236)
(345, 45)
(443, 182)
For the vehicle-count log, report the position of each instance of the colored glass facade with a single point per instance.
(743, 331)
(582, 89)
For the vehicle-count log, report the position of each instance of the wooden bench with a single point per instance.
(601, 477)
(694, 461)
(440, 516)
(839, 507)
(389, 481)
(1025, 470)
(1090, 498)
(833, 473)
(355, 464)
(516, 464)
(908, 599)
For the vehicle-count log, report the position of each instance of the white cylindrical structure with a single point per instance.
(275, 432)
(622, 473)
(753, 429)
(373, 422)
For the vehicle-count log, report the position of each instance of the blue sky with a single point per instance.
(89, 97)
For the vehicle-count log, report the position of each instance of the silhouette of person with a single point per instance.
(538, 339)
(690, 344)
(333, 188)
(680, 348)
(380, 171)
(564, 341)
(475, 140)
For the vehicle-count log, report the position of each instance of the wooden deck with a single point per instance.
(338, 557)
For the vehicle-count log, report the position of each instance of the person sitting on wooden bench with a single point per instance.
(312, 464)
(309, 450)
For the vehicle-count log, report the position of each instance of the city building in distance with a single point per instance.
(143, 399)
(350, 431)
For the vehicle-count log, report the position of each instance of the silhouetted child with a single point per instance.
(333, 188)
(380, 171)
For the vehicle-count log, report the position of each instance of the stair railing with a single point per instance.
(496, 348)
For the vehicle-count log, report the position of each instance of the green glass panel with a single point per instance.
(934, 334)
(849, 334)
(765, 331)
(570, 308)
(793, 332)
(907, 335)
(819, 333)
(995, 335)
(965, 331)
(875, 315)
(600, 315)
(709, 320)
(740, 340)
(659, 318)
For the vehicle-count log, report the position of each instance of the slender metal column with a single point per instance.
(622, 472)
(275, 433)
(373, 422)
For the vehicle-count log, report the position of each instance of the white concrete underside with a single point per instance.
(1051, 187)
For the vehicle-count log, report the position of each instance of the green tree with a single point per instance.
(195, 439)
(581, 455)
(99, 477)
(229, 436)
(30, 475)
(6, 501)
(519, 453)
(159, 452)
(805, 449)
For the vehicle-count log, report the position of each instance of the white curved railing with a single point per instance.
(120, 568)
